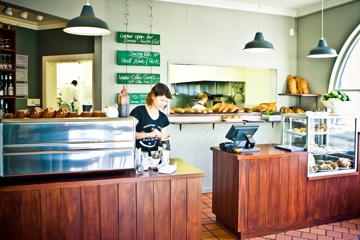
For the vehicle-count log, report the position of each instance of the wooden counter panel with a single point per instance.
(50, 217)
(20, 215)
(193, 204)
(178, 206)
(144, 210)
(90, 212)
(225, 179)
(268, 194)
(163, 208)
(70, 213)
(127, 210)
(108, 196)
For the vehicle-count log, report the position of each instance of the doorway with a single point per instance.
(61, 70)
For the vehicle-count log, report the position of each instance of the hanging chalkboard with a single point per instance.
(138, 58)
(138, 38)
(137, 98)
(138, 78)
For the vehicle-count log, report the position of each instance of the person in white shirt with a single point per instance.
(69, 95)
(202, 99)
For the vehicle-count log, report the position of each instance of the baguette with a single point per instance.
(292, 86)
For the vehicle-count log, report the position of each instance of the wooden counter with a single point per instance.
(267, 192)
(150, 206)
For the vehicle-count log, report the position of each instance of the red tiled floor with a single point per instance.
(334, 231)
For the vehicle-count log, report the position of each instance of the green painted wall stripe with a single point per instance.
(138, 78)
(138, 58)
(138, 38)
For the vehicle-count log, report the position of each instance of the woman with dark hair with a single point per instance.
(151, 122)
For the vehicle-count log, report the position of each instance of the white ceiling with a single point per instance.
(292, 8)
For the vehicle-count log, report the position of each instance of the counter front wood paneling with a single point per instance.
(152, 206)
(267, 192)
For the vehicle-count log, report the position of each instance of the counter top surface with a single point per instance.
(265, 150)
(184, 170)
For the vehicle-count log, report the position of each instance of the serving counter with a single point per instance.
(255, 194)
(120, 205)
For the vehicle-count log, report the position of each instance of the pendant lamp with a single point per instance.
(87, 24)
(259, 44)
(322, 50)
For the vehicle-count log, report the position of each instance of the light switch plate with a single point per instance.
(33, 102)
(292, 32)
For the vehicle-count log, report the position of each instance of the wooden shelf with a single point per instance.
(301, 95)
(316, 95)
(7, 97)
(7, 50)
(7, 70)
(224, 122)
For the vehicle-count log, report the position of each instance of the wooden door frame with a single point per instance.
(59, 58)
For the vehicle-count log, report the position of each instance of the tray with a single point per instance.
(332, 170)
(342, 168)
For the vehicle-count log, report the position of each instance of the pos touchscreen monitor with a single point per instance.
(242, 135)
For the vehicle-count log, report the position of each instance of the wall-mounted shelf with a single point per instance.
(7, 97)
(7, 50)
(224, 122)
(315, 95)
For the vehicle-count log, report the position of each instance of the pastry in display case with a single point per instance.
(329, 139)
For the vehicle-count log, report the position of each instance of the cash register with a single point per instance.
(241, 137)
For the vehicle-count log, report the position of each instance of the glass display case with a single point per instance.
(330, 141)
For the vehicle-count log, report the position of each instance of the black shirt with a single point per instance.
(147, 124)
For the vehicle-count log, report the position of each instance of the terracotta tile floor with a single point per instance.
(334, 231)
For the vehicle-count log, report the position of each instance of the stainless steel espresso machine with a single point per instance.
(69, 145)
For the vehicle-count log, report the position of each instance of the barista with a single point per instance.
(202, 100)
(151, 122)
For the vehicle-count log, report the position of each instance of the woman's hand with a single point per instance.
(154, 133)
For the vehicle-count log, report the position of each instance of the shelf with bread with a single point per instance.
(222, 113)
(299, 87)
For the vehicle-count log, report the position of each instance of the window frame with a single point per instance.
(342, 59)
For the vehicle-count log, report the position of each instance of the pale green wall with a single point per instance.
(196, 34)
(339, 22)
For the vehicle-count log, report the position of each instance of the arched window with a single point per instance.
(346, 72)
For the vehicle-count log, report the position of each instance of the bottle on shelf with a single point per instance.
(2, 108)
(10, 89)
(5, 89)
(123, 103)
(6, 108)
(1, 88)
(5, 80)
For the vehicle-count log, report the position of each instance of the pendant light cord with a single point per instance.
(259, 17)
(322, 18)
(126, 21)
(151, 25)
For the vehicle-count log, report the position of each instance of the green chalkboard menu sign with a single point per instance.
(138, 78)
(138, 38)
(138, 58)
(137, 98)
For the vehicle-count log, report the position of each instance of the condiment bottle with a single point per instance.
(123, 103)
